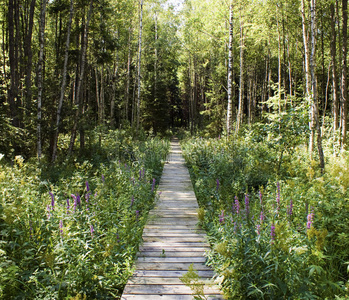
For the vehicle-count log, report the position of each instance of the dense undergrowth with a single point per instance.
(279, 228)
(72, 230)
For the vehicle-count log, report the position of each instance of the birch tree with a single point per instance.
(139, 66)
(230, 69)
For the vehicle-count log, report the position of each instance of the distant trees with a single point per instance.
(114, 64)
(75, 65)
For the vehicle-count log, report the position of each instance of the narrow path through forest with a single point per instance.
(172, 241)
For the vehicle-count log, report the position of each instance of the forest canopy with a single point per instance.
(68, 67)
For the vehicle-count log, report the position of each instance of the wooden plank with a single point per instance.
(167, 297)
(161, 289)
(173, 239)
(172, 226)
(167, 233)
(165, 259)
(168, 248)
(171, 254)
(170, 266)
(167, 281)
(171, 274)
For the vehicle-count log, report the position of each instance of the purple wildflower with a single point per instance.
(237, 205)
(87, 186)
(290, 208)
(87, 197)
(95, 194)
(221, 217)
(61, 227)
(143, 172)
(261, 217)
(272, 233)
(92, 230)
(68, 206)
(103, 179)
(140, 175)
(117, 238)
(52, 201)
(310, 220)
(217, 187)
(78, 200)
(132, 200)
(247, 205)
(261, 198)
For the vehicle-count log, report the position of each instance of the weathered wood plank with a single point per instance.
(173, 253)
(165, 259)
(173, 239)
(170, 266)
(162, 289)
(167, 281)
(171, 274)
(167, 297)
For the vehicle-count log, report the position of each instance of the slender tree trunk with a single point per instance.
(334, 69)
(156, 59)
(313, 84)
(13, 59)
(241, 87)
(230, 70)
(101, 111)
(308, 90)
(279, 67)
(80, 80)
(29, 55)
(139, 66)
(113, 97)
(64, 83)
(40, 73)
(344, 88)
(128, 79)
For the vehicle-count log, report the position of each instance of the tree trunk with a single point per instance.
(29, 56)
(334, 69)
(139, 66)
(230, 71)
(313, 84)
(128, 78)
(241, 87)
(40, 73)
(344, 88)
(80, 80)
(308, 91)
(64, 82)
(13, 59)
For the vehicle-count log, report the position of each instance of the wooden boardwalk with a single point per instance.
(172, 241)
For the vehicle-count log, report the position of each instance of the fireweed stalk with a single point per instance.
(237, 205)
(247, 205)
(221, 217)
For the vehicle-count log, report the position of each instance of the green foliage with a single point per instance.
(76, 236)
(265, 249)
